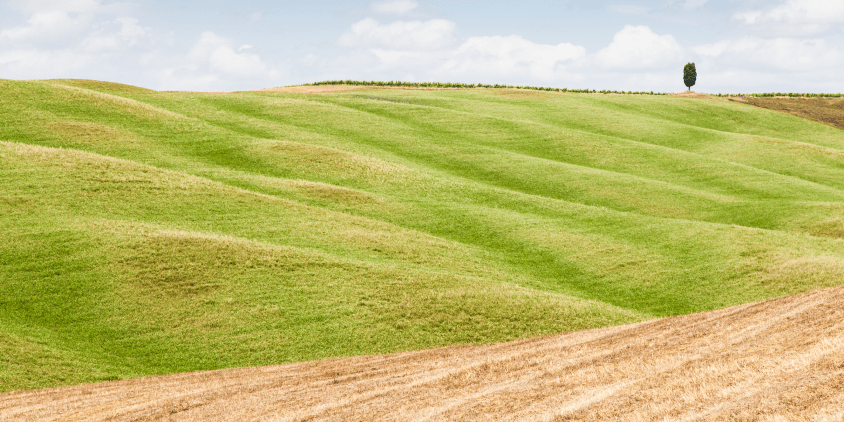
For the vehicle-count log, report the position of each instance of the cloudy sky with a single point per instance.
(737, 45)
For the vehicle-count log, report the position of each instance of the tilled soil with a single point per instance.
(825, 110)
(780, 360)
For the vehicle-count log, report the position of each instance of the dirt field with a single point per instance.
(781, 360)
(825, 110)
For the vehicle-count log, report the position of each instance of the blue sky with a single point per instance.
(737, 45)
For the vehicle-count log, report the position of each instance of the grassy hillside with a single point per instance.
(148, 233)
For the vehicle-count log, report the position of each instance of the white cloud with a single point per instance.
(46, 24)
(34, 64)
(431, 51)
(99, 39)
(179, 79)
(637, 47)
(129, 35)
(512, 55)
(713, 50)
(68, 6)
(394, 57)
(629, 9)
(219, 53)
(779, 54)
(798, 11)
(409, 35)
(399, 49)
(214, 63)
(694, 4)
(748, 17)
(58, 20)
(394, 7)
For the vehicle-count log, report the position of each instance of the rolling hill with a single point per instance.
(151, 233)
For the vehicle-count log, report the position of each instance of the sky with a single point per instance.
(738, 46)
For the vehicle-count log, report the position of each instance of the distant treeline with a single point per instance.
(539, 88)
(462, 85)
(783, 94)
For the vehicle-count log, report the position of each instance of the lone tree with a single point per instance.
(689, 75)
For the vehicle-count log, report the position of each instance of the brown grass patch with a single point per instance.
(93, 134)
(135, 107)
(776, 360)
(347, 165)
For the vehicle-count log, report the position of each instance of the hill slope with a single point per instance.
(776, 360)
(152, 233)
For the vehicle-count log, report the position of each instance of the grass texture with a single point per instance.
(146, 232)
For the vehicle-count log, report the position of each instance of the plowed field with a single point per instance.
(777, 360)
(824, 110)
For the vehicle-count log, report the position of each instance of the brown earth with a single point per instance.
(691, 94)
(824, 110)
(780, 360)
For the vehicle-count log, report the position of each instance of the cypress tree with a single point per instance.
(689, 75)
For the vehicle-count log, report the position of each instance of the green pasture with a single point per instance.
(144, 232)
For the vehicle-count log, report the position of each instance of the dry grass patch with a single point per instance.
(124, 104)
(340, 164)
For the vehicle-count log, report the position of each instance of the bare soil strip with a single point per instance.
(691, 94)
(772, 361)
(824, 110)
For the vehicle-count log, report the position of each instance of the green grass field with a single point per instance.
(144, 232)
